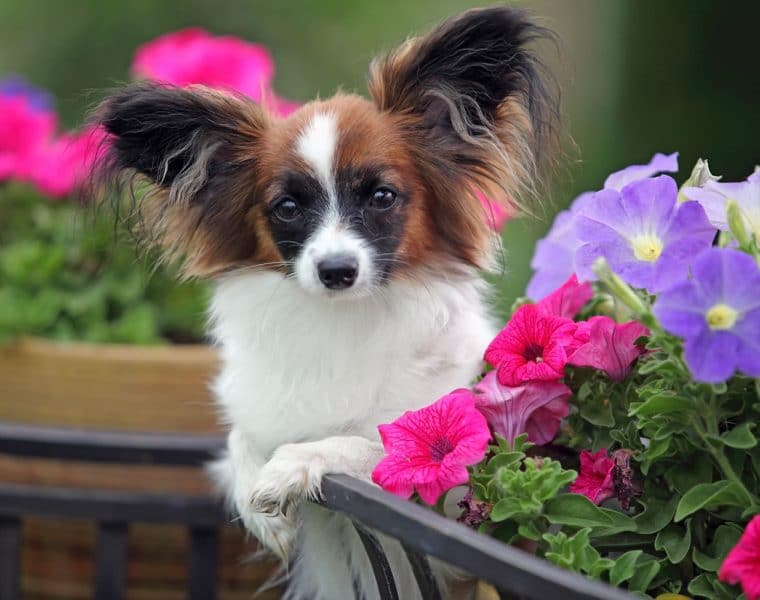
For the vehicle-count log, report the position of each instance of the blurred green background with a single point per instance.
(637, 76)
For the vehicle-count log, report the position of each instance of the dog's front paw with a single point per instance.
(277, 533)
(292, 475)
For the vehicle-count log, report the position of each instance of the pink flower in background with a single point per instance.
(567, 300)
(609, 346)
(27, 122)
(428, 450)
(497, 214)
(595, 481)
(64, 164)
(742, 565)
(193, 56)
(535, 408)
(534, 346)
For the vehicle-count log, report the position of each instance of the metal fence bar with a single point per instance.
(10, 557)
(107, 446)
(423, 574)
(204, 563)
(18, 500)
(386, 585)
(504, 566)
(111, 560)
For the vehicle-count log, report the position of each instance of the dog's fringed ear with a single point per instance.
(477, 95)
(188, 157)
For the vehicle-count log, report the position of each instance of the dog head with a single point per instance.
(347, 193)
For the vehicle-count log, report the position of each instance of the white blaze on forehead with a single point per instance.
(316, 145)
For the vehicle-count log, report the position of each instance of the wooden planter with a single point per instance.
(148, 389)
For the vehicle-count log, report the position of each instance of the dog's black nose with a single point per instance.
(338, 272)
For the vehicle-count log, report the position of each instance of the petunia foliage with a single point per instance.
(623, 405)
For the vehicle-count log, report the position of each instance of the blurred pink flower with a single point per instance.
(595, 481)
(193, 56)
(26, 124)
(429, 449)
(497, 214)
(567, 300)
(742, 565)
(608, 346)
(61, 166)
(535, 408)
(533, 346)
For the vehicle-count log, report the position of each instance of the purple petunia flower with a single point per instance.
(714, 197)
(554, 259)
(717, 313)
(644, 234)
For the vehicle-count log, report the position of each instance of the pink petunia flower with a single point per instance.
(567, 300)
(534, 346)
(62, 166)
(428, 450)
(193, 56)
(497, 214)
(609, 346)
(535, 408)
(742, 565)
(595, 481)
(26, 124)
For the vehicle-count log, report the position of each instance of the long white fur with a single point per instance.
(305, 382)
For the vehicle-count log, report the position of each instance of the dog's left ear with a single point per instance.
(476, 96)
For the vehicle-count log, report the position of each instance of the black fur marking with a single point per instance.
(382, 230)
(480, 55)
(152, 123)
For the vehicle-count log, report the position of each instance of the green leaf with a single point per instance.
(647, 568)
(598, 413)
(726, 537)
(740, 437)
(707, 586)
(656, 515)
(505, 509)
(675, 541)
(666, 402)
(704, 495)
(575, 510)
(625, 567)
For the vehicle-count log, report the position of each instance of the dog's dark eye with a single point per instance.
(286, 210)
(382, 199)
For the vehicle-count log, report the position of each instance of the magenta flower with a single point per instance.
(567, 300)
(717, 313)
(714, 197)
(193, 56)
(62, 166)
(496, 214)
(595, 480)
(27, 123)
(536, 408)
(610, 346)
(645, 236)
(429, 450)
(533, 346)
(742, 565)
(555, 257)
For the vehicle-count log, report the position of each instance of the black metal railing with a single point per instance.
(422, 532)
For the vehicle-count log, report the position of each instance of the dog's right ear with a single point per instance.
(196, 148)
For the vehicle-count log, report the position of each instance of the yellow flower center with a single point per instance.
(721, 316)
(647, 246)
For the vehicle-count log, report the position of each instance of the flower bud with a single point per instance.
(700, 175)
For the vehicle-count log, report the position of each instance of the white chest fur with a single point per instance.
(298, 367)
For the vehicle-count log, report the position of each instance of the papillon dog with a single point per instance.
(346, 244)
